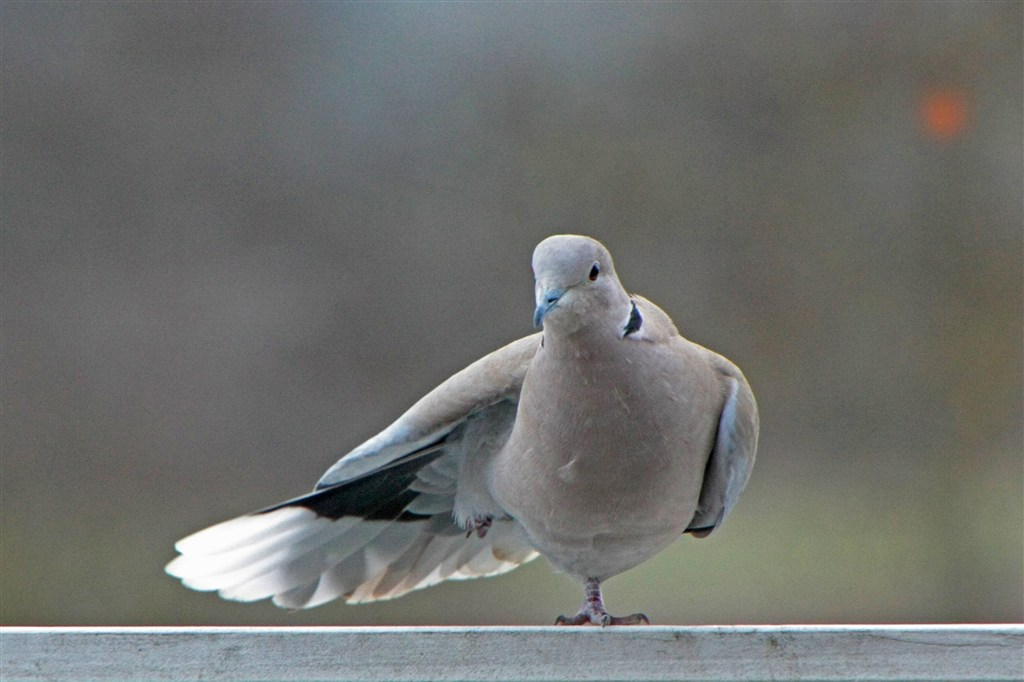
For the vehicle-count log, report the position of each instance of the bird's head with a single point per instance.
(575, 282)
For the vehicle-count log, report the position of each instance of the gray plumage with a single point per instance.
(595, 443)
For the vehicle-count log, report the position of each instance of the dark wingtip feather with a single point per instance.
(380, 495)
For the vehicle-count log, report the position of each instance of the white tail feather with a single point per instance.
(303, 560)
(237, 532)
(304, 564)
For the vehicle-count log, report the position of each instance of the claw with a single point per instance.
(479, 525)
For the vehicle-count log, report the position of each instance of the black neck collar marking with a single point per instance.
(634, 321)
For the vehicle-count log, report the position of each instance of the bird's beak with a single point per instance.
(546, 300)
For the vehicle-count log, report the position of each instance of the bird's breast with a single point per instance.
(606, 449)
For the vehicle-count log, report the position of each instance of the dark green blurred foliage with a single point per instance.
(238, 239)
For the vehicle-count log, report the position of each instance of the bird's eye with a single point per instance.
(594, 272)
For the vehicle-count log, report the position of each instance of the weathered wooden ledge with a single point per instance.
(790, 652)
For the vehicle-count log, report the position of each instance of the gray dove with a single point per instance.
(595, 442)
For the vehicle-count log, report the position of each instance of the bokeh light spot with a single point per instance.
(944, 113)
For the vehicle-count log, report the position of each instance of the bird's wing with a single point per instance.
(380, 522)
(732, 457)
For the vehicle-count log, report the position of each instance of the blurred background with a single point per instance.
(238, 239)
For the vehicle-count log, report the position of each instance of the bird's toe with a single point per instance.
(635, 619)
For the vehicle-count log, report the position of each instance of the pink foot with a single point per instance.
(593, 612)
(603, 619)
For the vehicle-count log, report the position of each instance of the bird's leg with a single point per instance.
(478, 525)
(593, 612)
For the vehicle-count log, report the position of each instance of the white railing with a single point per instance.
(791, 652)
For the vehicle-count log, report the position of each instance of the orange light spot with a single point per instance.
(944, 113)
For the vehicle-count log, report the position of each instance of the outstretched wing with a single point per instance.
(380, 522)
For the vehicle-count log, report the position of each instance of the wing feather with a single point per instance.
(732, 457)
(380, 522)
